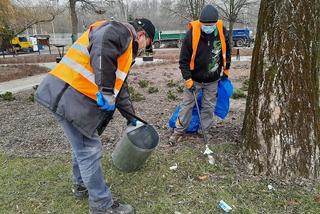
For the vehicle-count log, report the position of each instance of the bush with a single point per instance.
(8, 96)
(238, 93)
(135, 95)
(171, 95)
(171, 84)
(152, 90)
(143, 83)
(31, 97)
(245, 85)
(180, 88)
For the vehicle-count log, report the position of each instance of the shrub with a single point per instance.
(152, 90)
(180, 88)
(143, 83)
(238, 93)
(135, 95)
(31, 97)
(171, 84)
(171, 95)
(8, 96)
(245, 85)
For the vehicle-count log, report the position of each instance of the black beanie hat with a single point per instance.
(209, 14)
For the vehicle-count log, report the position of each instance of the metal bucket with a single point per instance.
(135, 146)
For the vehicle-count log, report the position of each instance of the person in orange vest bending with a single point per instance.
(205, 53)
(82, 91)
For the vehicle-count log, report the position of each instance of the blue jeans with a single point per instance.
(87, 168)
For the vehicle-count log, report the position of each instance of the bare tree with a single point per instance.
(189, 9)
(231, 9)
(90, 5)
(22, 14)
(282, 122)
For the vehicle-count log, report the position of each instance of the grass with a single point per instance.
(171, 83)
(245, 85)
(31, 97)
(180, 88)
(143, 83)
(171, 95)
(42, 185)
(153, 90)
(8, 96)
(238, 93)
(135, 95)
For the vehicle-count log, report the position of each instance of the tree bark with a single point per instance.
(281, 128)
(74, 20)
(231, 24)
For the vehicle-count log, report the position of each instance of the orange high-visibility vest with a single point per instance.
(196, 32)
(75, 68)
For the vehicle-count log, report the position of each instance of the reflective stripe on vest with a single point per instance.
(76, 70)
(195, 26)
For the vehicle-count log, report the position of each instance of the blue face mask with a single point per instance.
(208, 29)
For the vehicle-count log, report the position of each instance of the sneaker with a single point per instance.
(174, 138)
(80, 191)
(116, 208)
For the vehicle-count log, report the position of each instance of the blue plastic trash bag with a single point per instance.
(225, 90)
(195, 122)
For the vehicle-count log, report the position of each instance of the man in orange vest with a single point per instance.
(82, 91)
(204, 54)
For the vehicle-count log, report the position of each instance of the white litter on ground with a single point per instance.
(208, 151)
(174, 167)
(211, 159)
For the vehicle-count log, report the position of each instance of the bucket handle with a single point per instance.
(132, 115)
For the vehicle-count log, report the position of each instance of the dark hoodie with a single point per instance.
(208, 60)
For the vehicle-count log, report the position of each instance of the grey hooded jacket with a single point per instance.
(107, 43)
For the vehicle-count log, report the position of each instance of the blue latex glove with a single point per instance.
(132, 122)
(105, 102)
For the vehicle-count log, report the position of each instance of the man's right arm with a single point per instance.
(185, 56)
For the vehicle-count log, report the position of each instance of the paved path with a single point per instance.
(18, 85)
(15, 86)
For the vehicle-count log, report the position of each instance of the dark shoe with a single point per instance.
(174, 138)
(116, 208)
(80, 191)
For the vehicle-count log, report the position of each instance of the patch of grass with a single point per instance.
(171, 95)
(8, 96)
(143, 83)
(31, 97)
(152, 90)
(245, 85)
(180, 88)
(42, 185)
(238, 93)
(131, 90)
(171, 83)
(135, 95)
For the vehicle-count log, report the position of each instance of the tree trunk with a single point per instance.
(231, 24)
(74, 20)
(282, 121)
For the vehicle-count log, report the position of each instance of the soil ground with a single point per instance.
(28, 129)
